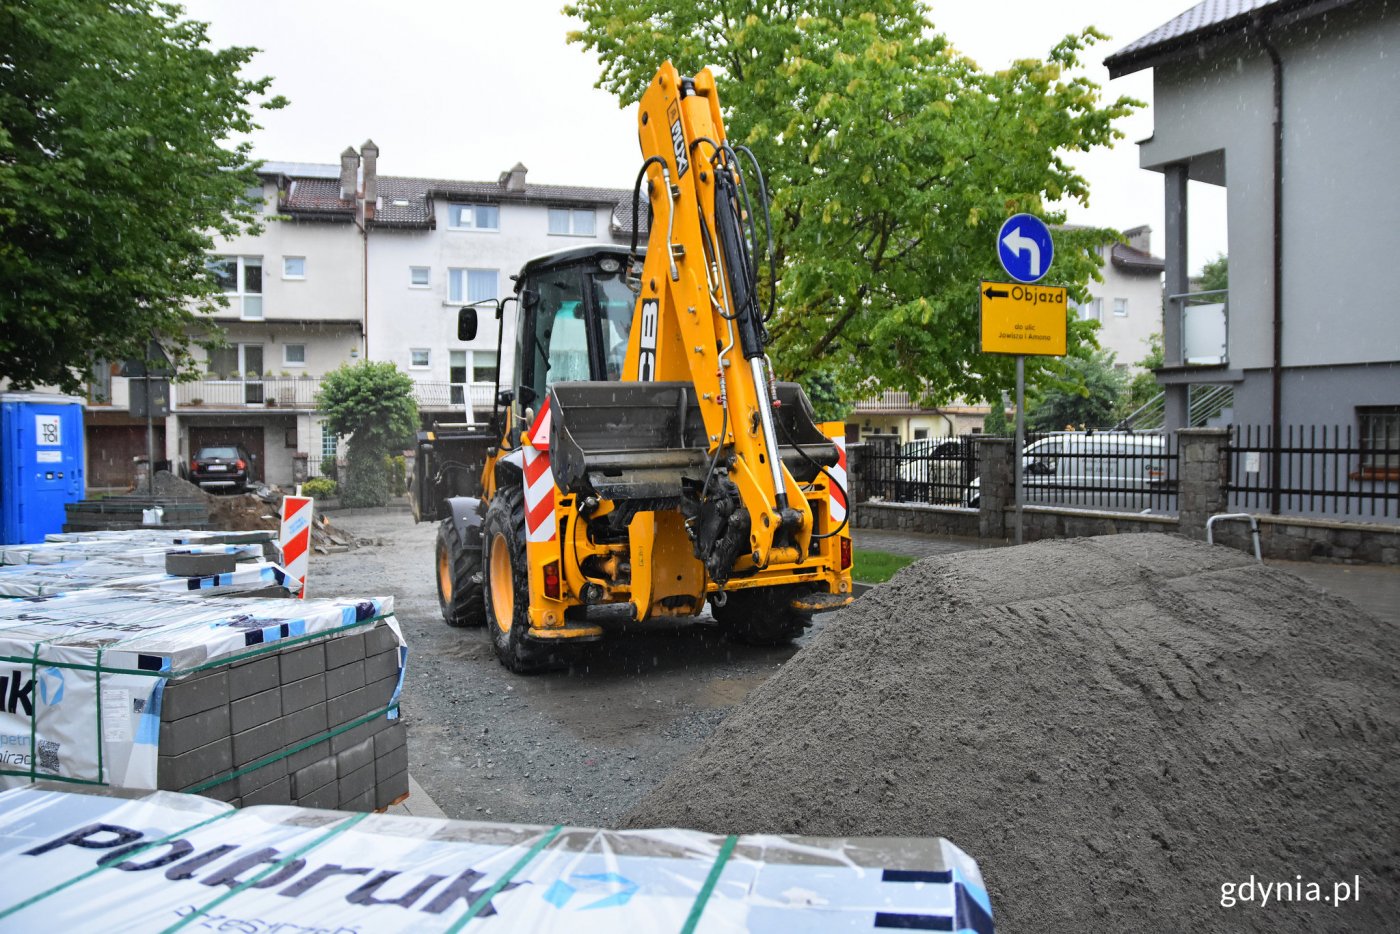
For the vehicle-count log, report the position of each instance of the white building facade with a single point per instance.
(1128, 302)
(352, 265)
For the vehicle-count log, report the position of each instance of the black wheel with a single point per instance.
(507, 586)
(459, 579)
(761, 616)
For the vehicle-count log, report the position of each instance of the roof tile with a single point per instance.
(1209, 15)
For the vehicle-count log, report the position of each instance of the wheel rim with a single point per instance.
(444, 570)
(502, 584)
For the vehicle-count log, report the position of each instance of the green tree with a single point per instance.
(827, 401)
(1084, 395)
(996, 424)
(1215, 274)
(373, 404)
(1143, 387)
(115, 174)
(892, 160)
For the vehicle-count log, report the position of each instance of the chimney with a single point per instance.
(349, 168)
(369, 153)
(1140, 238)
(514, 179)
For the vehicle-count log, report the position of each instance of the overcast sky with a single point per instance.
(464, 89)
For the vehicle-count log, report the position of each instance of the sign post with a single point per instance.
(1022, 318)
(149, 398)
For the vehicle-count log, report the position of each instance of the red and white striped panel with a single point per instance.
(539, 481)
(838, 487)
(295, 537)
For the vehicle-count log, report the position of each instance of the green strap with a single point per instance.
(290, 751)
(34, 715)
(101, 740)
(703, 896)
(101, 866)
(262, 649)
(220, 779)
(480, 904)
(335, 831)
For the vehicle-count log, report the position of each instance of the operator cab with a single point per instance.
(573, 320)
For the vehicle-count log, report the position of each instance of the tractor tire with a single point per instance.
(507, 587)
(459, 579)
(761, 616)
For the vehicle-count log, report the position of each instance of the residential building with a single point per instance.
(351, 265)
(1128, 302)
(437, 245)
(1293, 106)
(897, 413)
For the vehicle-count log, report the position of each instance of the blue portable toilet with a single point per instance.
(41, 463)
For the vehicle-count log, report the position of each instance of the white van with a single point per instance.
(1112, 460)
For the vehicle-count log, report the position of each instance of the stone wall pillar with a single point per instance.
(1202, 470)
(997, 485)
(855, 473)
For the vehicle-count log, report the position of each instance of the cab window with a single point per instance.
(556, 347)
(615, 303)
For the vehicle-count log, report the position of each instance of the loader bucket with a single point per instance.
(639, 440)
(626, 440)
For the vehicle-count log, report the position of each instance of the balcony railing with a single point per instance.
(1205, 326)
(300, 393)
(274, 392)
(890, 400)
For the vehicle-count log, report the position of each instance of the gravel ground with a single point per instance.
(578, 747)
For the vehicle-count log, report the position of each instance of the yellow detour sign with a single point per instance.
(1023, 319)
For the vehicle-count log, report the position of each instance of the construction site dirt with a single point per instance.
(1122, 731)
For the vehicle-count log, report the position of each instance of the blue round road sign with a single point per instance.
(1025, 248)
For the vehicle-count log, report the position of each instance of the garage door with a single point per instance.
(112, 450)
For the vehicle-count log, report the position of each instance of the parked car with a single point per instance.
(222, 466)
(932, 470)
(1112, 462)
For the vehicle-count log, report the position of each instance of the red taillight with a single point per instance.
(845, 553)
(239, 464)
(551, 580)
(194, 465)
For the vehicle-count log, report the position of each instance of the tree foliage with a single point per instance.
(1143, 386)
(373, 404)
(892, 160)
(1215, 274)
(996, 424)
(113, 180)
(1084, 396)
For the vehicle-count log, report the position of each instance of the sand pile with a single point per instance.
(1114, 728)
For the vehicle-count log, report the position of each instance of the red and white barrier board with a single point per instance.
(838, 487)
(539, 481)
(295, 537)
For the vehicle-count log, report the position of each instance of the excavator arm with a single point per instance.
(699, 320)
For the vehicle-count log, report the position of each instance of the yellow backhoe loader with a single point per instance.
(644, 460)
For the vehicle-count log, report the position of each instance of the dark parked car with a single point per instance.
(224, 466)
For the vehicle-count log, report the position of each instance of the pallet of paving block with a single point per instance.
(92, 670)
(137, 553)
(261, 578)
(314, 724)
(160, 861)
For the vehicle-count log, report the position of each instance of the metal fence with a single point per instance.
(934, 471)
(1321, 470)
(1102, 470)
